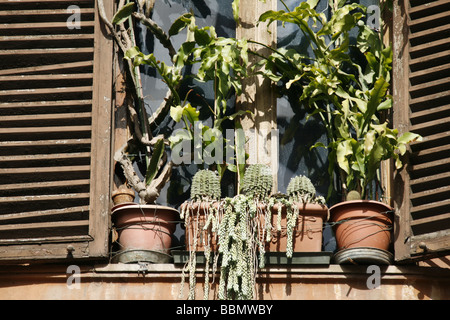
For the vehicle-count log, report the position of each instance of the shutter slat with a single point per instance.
(45, 117)
(422, 35)
(430, 193)
(429, 179)
(44, 107)
(45, 77)
(429, 207)
(40, 214)
(57, 197)
(18, 13)
(41, 143)
(50, 51)
(42, 25)
(61, 169)
(430, 124)
(430, 6)
(43, 130)
(52, 93)
(43, 229)
(59, 67)
(30, 254)
(44, 184)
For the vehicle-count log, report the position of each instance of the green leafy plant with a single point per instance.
(222, 61)
(346, 86)
(158, 165)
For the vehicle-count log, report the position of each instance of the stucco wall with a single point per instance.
(162, 281)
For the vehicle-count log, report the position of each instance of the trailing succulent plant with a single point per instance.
(240, 234)
(257, 181)
(205, 192)
(205, 186)
(301, 189)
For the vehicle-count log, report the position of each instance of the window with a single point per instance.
(55, 115)
(55, 125)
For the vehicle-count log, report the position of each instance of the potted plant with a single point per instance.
(214, 56)
(297, 219)
(202, 216)
(144, 230)
(346, 86)
(242, 233)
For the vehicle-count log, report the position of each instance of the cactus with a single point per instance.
(301, 189)
(205, 186)
(257, 181)
(353, 195)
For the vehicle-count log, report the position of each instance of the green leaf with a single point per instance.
(231, 117)
(202, 37)
(132, 53)
(344, 149)
(409, 137)
(180, 23)
(152, 168)
(191, 113)
(312, 3)
(176, 113)
(123, 13)
(387, 104)
(178, 136)
(235, 7)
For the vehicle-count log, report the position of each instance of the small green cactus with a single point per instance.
(353, 195)
(257, 181)
(301, 189)
(205, 186)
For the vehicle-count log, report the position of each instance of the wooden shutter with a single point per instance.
(55, 130)
(421, 72)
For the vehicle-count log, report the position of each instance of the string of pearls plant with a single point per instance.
(300, 190)
(205, 196)
(241, 226)
(240, 236)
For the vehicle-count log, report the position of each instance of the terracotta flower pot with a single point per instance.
(195, 222)
(145, 227)
(123, 195)
(362, 223)
(308, 231)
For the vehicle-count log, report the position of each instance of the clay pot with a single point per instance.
(123, 195)
(145, 227)
(307, 233)
(362, 223)
(195, 222)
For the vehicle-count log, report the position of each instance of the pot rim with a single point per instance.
(374, 210)
(350, 202)
(120, 207)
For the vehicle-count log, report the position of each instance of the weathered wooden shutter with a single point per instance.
(55, 130)
(421, 72)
